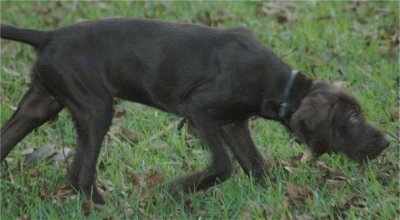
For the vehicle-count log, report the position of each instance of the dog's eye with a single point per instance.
(356, 118)
(353, 119)
(348, 125)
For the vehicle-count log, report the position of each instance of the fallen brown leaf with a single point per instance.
(118, 113)
(63, 193)
(398, 173)
(42, 153)
(335, 184)
(295, 193)
(89, 206)
(126, 207)
(352, 6)
(106, 186)
(35, 171)
(304, 217)
(213, 19)
(44, 192)
(154, 179)
(295, 190)
(142, 208)
(111, 217)
(300, 159)
(24, 217)
(290, 169)
(137, 180)
(394, 46)
(348, 201)
(345, 203)
(281, 11)
(323, 166)
(46, 153)
(130, 135)
(188, 199)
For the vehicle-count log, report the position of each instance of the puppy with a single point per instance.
(216, 78)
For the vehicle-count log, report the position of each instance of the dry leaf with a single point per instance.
(295, 193)
(63, 193)
(35, 171)
(142, 208)
(246, 215)
(348, 201)
(44, 192)
(290, 169)
(295, 190)
(119, 113)
(394, 46)
(344, 204)
(137, 180)
(27, 151)
(89, 206)
(154, 179)
(48, 153)
(281, 11)
(126, 207)
(210, 19)
(39, 154)
(106, 186)
(188, 199)
(304, 217)
(109, 218)
(130, 135)
(300, 159)
(335, 184)
(25, 217)
(115, 128)
(398, 173)
(324, 167)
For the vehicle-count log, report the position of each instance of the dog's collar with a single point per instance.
(283, 110)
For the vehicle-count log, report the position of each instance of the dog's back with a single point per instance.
(163, 62)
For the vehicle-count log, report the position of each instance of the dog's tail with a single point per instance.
(32, 37)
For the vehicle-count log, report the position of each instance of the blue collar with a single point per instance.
(283, 110)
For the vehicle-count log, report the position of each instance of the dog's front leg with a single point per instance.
(209, 132)
(238, 138)
(36, 108)
(92, 116)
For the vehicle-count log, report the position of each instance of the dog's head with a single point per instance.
(329, 120)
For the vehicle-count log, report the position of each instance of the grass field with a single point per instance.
(355, 43)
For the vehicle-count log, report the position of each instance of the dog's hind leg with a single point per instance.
(36, 107)
(238, 138)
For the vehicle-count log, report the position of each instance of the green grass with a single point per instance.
(335, 41)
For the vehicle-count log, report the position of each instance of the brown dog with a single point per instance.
(216, 78)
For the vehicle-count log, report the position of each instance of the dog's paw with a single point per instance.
(98, 199)
(90, 206)
(94, 194)
(261, 183)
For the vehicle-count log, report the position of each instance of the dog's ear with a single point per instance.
(305, 118)
(308, 123)
(312, 112)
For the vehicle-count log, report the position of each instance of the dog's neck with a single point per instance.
(283, 110)
(282, 104)
(297, 87)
